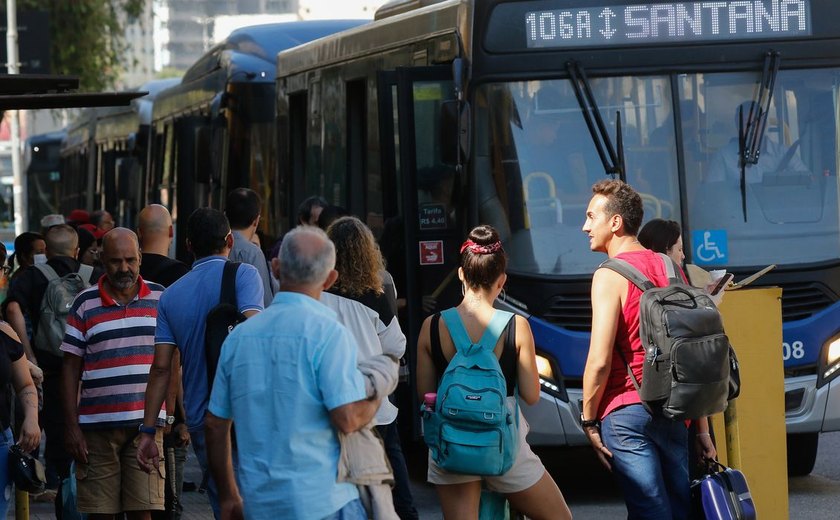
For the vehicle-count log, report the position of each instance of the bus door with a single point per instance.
(422, 200)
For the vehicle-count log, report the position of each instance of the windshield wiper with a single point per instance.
(751, 131)
(612, 157)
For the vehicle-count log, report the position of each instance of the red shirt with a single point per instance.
(620, 390)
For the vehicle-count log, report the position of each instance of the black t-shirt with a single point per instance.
(28, 288)
(14, 351)
(162, 269)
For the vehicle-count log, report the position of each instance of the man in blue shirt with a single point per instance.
(182, 314)
(288, 389)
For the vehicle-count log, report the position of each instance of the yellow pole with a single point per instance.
(21, 505)
(755, 422)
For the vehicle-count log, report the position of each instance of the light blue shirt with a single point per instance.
(182, 313)
(279, 375)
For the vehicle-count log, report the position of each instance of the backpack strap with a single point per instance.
(85, 271)
(495, 328)
(228, 291)
(48, 272)
(627, 270)
(671, 269)
(457, 332)
(460, 337)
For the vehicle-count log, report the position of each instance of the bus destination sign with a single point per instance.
(667, 22)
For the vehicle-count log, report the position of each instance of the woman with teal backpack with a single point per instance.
(472, 363)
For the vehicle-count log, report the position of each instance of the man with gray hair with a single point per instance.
(295, 385)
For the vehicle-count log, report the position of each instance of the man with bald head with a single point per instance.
(24, 298)
(289, 389)
(155, 233)
(110, 338)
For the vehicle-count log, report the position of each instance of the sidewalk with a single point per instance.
(196, 505)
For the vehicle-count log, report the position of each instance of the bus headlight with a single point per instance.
(549, 382)
(830, 367)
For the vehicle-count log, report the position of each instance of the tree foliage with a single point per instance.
(88, 37)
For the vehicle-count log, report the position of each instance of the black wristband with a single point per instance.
(589, 423)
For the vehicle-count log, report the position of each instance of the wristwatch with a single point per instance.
(170, 419)
(151, 430)
(584, 423)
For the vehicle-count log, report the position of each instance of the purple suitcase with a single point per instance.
(724, 495)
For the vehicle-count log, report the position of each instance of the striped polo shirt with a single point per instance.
(117, 346)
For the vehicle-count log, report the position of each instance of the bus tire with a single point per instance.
(801, 453)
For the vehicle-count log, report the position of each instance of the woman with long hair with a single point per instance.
(527, 485)
(663, 236)
(362, 304)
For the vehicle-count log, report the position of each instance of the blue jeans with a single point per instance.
(6, 440)
(353, 510)
(200, 448)
(650, 462)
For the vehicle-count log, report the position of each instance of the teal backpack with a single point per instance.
(472, 430)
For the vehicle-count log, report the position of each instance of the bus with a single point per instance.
(42, 157)
(215, 130)
(103, 154)
(725, 116)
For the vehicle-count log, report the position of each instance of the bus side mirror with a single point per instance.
(454, 132)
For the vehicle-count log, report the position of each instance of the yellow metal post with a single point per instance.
(21, 505)
(755, 422)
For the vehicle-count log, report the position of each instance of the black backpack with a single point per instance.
(690, 370)
(221, 320)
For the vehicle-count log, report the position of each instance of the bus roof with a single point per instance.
(416, 25)
(246, 56)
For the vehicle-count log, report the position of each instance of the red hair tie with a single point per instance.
(479, 249)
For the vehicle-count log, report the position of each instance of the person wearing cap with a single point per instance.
(49, 221)
(78, 217)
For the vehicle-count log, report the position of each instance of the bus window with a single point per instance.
(791, 193)
(538, 163)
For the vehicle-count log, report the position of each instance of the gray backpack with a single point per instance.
(55, 306)
(690, 370)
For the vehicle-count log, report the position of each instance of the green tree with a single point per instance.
(88, 37)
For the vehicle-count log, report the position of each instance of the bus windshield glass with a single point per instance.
(790, 193)
(536, 164)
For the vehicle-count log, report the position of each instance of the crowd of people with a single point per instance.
(107, 351)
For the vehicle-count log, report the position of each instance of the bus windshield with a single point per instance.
(790, 194)
(536, 163)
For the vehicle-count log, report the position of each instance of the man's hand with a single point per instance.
(704, 446)
(604, 455)
(148, 456)
(30, 433)
(75, 443)
(231, 509)
(182, 436)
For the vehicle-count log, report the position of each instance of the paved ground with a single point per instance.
(196, 506)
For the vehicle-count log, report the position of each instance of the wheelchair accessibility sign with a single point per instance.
(711, 247)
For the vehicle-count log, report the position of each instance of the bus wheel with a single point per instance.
(801, 453)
